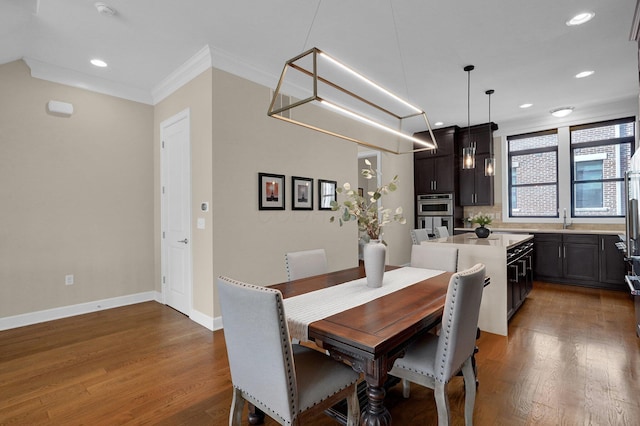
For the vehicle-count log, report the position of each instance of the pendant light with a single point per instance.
(469, 152)
(490, 162)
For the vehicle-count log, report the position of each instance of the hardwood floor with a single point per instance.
(572, 357)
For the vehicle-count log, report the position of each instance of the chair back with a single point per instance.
(307, 263)
(257, 339)
(457, 339)
(433, 256)
(419, 235)
(441, 232)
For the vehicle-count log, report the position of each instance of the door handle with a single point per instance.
(186, 241)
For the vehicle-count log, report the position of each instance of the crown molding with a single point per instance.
(68, 77)
(193, 67)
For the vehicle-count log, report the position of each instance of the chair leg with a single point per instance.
(470, 390)
(237, 405)
(406, 388)
(442, 403)
(353, 407)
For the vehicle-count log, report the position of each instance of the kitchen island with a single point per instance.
(508, 260)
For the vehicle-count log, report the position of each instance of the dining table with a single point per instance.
(368, 336)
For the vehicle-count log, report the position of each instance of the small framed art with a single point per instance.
(301, 193)
(326, 193)
(271, 191)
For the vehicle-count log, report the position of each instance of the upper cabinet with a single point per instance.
(435, 170)
(476, 189)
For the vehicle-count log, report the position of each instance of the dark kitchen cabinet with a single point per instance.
(612, 265)
(434, 175)
(581, 259)
(435, 170)
(548, 256)
(476, 189)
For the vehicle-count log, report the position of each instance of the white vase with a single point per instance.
(374, 254)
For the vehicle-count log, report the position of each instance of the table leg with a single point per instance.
(256, 416)
(376, 413)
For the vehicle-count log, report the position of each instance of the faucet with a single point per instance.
(565, 225)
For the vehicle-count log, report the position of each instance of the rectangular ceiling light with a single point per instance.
(380, 119)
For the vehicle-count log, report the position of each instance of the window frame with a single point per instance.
(591, 144)
(511, 185)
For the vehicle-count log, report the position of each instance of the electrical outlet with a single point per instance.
(68, 280)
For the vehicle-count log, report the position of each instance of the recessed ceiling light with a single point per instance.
(98, 63)
(580, 18)
(104, 9)
(438, 123)
(561, 112)
(523, 106)
(584, 74)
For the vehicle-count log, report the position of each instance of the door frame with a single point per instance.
(182, 115)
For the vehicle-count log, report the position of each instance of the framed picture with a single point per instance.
(301, 193)
(326, 193)
(361, 192)
(271, 191)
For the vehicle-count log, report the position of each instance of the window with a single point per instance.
(600, 154)
(533, 177)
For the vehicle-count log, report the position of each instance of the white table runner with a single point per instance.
(309, 307)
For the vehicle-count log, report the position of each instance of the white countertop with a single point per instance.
(505, 241)
(549, 231)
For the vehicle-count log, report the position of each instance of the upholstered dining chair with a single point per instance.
(418, 235)
(285, 381)
(434, 256)
(307, 263)
(441, 232)
(432, 361)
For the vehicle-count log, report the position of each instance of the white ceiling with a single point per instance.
(416, 48)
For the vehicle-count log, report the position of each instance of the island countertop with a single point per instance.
(505, 241)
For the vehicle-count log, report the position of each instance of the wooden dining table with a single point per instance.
(370, 337)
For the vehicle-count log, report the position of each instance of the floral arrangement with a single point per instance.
(364, 209)
(480, 219)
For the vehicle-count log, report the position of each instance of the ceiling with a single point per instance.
(416, 48)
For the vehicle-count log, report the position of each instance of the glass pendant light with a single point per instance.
(469, 152)
(490, 161)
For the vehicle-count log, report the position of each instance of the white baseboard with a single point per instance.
(206, 321)
(30, 318)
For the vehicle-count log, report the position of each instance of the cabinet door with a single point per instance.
(581, 261)
(467, 187)
(547, 258)
(612, 265)
(423, 175)
(444, 174)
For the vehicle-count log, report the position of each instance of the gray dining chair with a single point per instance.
(418, 235)
(285, 381)
(441, 232)
(432, 361)
(434, 256)
(306, 263)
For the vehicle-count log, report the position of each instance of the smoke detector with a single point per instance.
(104, 9)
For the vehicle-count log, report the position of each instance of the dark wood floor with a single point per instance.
(572, 357)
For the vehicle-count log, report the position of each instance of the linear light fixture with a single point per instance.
(316, 78)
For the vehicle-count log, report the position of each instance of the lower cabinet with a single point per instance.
(519, 281)
(581, 259)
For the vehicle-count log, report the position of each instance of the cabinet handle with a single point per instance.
(435, 185)
(602, 243)
(559, 254)
(564, 250)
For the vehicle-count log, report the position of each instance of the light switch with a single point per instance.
(200, 223)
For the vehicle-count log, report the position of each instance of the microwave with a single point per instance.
(434, 205)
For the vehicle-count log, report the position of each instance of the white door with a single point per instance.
(176, 212)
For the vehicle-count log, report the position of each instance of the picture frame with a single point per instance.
(270, 191)
(326, 193)
(301, 193)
